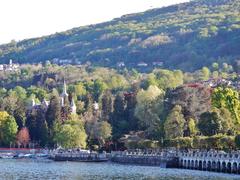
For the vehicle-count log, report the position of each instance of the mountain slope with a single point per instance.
(186, 36)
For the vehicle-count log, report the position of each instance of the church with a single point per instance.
(64, 98)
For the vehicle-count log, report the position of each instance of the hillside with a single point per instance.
(186, 36)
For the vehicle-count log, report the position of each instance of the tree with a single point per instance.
(98, 88)
(42, 129)
(237, 141)
(20, 114)
(53, 113)
(118, 118)
(166, 78)
(210, 123)
(192, 127)
(131, 103)
(71, 134)
(8, 128)
(174, 124)
(205, 73)
(215, 66)
(107, 105)
(228, 126)
(194, 100)
(103, 131)
(229, 99)
(148, 109)
(23, 137)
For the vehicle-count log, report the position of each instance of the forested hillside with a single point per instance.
(185, 36)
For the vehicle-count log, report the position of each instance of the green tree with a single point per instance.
(205, 73)
(174, 124)
(8, 128)
(210, 123)
(53, 113)
(103, 131)
(107, 105)
(215, 66)
(229, 99)
(148, 109)
(71, 134)
(237, 141)
(192, 127)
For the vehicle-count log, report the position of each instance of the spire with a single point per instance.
(33, 102)
(95, 106)
(73, 107)
(62, 101)
(45, 103)
(64, 93)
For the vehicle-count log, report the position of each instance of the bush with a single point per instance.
(219, 141)
(182, 142)
(143, 144)
(237, 141)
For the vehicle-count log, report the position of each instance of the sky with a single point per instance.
(21, 19)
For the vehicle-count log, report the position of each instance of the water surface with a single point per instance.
(32, 169)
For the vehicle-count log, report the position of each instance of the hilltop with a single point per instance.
(185, 36)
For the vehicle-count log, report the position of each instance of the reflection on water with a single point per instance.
(29, 169)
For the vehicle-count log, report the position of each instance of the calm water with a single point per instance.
(29, 169)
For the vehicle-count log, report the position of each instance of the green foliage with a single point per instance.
(192, 127)
(180, 142)
(70, 135)
(229, 99)
(8, 128)
(237, 141)
(219, 141)
(173, 126)
(148, 109)
(210, 123)
(165, 79)
(102, 132)
(142, 144)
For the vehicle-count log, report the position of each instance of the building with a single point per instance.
(9, 67)
(121, 64)
(63, 98)
(142, 64)
(157, 63)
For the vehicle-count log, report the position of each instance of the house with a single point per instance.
(142, 64)
(9, 67)
(120, 64)
(157, 63)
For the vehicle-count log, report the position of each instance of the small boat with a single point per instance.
(6, 156)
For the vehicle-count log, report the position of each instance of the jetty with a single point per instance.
(79, 156)
(217, 161)
(161, 159)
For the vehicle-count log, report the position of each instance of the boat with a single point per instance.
(6, 155)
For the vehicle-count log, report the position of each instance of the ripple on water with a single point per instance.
(30, 169)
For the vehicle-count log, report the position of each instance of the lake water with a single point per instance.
(32, 169)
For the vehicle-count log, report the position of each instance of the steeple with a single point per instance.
(33, 102)
(64, 93)
(73, 107)
(45, 103)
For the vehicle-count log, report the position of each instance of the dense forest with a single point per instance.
(186, 36)
(115, 109)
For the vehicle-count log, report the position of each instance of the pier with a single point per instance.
(211, 161)
(161, 159)
(81, 156)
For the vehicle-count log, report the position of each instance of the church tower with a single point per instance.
(73, 107)
(64, 95)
